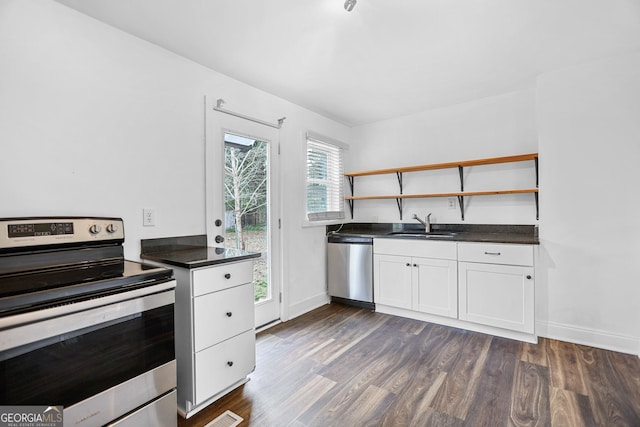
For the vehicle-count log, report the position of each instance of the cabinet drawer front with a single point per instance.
(417, 248)
(224, 364)
(221, 315)
(495, 253)
(212, 279)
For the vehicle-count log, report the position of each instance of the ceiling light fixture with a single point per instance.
(349, 5)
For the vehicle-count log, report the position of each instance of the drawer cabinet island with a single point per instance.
(214, 317)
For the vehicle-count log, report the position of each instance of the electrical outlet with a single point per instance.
(452, 202)
(148, 217)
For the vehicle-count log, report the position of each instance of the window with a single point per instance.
(325, 192)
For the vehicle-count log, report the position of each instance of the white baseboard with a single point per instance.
(590, 337)
(307, 305)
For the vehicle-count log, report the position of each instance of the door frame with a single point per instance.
(216, 125)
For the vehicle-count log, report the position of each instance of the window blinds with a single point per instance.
(325, 180)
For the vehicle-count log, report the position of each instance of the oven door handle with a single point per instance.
(64, 319)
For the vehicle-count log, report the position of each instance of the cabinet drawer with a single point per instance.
(495, 253)
(224, 364)
(212, 279)
(417, 248)
(221, 315)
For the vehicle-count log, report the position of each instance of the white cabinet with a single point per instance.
(392, 283)
(435, 286)
(416, 275)
(496, 285)
(224, 364)
(215, 337)
(223, 314)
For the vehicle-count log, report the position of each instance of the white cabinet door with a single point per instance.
(224, 364)
(220, 315)
(435, 286)
(392, 280)
(497, 295)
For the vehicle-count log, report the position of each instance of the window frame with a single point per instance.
(339, 215)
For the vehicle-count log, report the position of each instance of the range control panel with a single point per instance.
(39, 229)
(23, 232)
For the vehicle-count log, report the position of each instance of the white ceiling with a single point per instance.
(386, 58)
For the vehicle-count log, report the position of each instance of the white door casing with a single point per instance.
(217, 124)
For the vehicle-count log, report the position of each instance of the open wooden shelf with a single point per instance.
(449, 165)
(459, 194)
(455, 194)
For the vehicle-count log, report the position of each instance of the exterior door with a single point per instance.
(243, 200)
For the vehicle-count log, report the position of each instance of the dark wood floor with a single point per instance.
(342, 366)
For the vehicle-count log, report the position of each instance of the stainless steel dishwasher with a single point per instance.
(350, 269)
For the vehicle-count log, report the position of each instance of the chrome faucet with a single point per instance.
(426, 223)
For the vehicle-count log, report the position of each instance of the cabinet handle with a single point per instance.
(230, 363)
(229, 314)
(492, 253)
(415, 265)
(408, 264)
(529, 276)
(227, 276)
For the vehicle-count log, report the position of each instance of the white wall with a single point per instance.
(587, 121)
(96, 122)
(491, 127)
(589, 130)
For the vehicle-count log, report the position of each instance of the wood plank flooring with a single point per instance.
(344, 366)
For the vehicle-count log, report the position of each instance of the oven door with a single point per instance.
(101, 359)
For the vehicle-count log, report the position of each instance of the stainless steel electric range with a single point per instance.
(81, 327)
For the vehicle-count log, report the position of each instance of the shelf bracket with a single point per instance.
(461, 198)
(350, 178)
(461, 203)
(536, 194)
(399, 202)
(399, 175)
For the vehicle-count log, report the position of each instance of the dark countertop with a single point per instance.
(190, 252)
(487, 233)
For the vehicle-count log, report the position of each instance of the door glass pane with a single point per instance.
(246, 199)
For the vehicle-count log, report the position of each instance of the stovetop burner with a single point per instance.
(51, 261)
(134, 275)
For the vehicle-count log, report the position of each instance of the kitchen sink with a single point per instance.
(424, 234)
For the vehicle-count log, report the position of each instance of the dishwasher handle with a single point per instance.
(351, 240)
